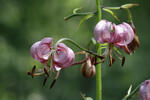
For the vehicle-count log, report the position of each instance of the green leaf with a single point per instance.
(85, 18)
(112, 13)
(84, 97)
(129, 90)
(126, 6)
(76, 9)
(93, 41)
(88, 98)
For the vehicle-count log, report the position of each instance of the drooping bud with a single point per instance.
(40, 50)
(145, 90)
(64, 57)
(87, 69)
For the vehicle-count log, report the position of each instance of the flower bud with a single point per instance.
(145, 90)
(87, 69)
(64, 57)
(40, 50)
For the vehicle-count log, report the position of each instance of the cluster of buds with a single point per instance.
(121, 36)
(53, 59)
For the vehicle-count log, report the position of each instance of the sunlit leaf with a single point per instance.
(85, 18)
(84, 97)
(88, 98)
(76, 9)
(129, 90)
(112, 13)
(93, 41)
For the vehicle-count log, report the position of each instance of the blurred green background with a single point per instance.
(23, 22)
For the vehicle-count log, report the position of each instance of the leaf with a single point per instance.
(85, 18)
(93, 41)
(129, 90)
(84, 97)
(112, 13)
(126, 6)
(88, 98)
(76, 9)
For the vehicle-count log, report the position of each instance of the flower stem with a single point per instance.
(127, 97)
(79, 14)
(77, 45)
(98, 66)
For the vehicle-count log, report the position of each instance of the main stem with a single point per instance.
(98, 67)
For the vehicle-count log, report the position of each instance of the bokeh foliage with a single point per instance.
(23, 22)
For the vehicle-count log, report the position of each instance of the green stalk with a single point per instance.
(77, 45)
(127, 97)
(98, 67)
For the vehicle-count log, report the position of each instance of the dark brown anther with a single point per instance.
(44, 81)
(33, 71)
(28, 73)
(113, 60)
(46, 72)
(54, 81)
(123, 60)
